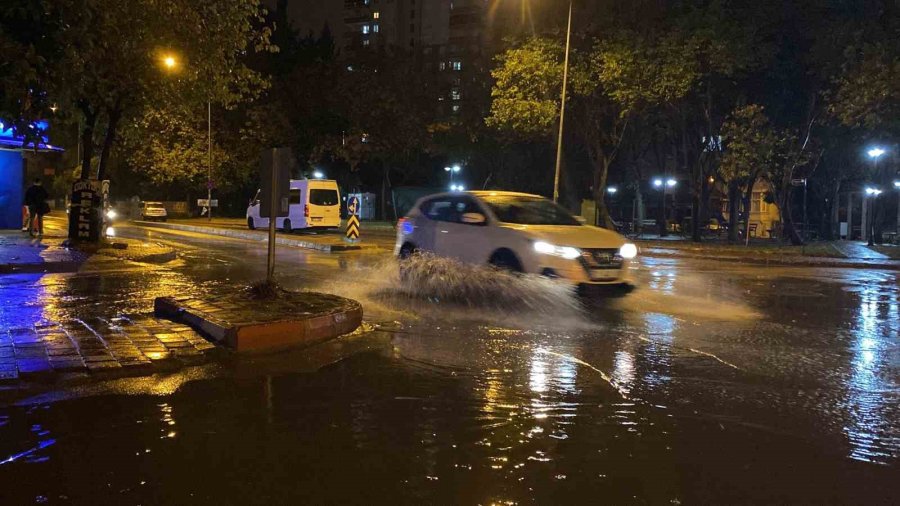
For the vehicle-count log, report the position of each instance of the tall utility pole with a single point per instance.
(562, 109)
(209, 182)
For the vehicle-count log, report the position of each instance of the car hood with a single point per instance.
(584, 236)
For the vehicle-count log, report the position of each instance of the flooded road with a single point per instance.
(711, 383)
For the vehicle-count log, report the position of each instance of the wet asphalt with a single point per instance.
(711, 383)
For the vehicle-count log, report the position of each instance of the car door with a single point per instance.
(467, 242)
(433, 214)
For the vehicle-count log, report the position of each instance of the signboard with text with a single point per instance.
(84, 214)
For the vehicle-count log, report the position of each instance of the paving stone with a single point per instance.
(62, 351)
(30, 366)
(101, 366)
(97, 358)
(157, 355)
(177, 344)
(8, 374)
(68, 365)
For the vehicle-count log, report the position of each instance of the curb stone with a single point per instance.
(296, 319)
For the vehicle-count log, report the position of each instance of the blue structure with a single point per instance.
(12, 174)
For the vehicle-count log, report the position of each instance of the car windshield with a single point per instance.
(529, 211)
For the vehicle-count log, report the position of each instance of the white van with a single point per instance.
(315, 203)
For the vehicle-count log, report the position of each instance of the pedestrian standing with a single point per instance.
(36, 200)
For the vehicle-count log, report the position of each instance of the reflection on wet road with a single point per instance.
(712, 383)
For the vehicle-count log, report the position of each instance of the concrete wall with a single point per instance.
(11, 189)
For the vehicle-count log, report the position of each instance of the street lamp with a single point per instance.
(612, 190)
(457, 188)
(664, 185)
(872, 193)
(318, 174)
(455, 169)
(562, 108)
(874, 153)
(170, 62)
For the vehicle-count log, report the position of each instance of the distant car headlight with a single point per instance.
(566, 252)
(111, 214)
(628, 251)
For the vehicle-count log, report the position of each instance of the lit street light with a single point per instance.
(874, 153)
(872, 193)
(455, 169)
(664, 185)
(318, 174)
(612, 190)
(170, 62)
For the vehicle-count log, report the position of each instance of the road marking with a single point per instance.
(613, 383)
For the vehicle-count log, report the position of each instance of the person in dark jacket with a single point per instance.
(36, 200)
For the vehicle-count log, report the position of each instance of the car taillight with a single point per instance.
(306, 211)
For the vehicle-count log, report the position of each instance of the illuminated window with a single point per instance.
(456, 65)
(366, 42)
(455, 107)
(443, 65)
(455, 95)
(375, 28)
(365, 29)
(376, 15)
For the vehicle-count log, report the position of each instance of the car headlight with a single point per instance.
(111, 214)
(566, 252)
(628, 251)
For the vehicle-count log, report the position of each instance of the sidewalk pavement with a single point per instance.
(121, 345)
(21, 253)
(842, 254)
(327, 242)
(368, 227)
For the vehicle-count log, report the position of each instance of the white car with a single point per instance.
(515, 231)
(153, 211)
(314, 203)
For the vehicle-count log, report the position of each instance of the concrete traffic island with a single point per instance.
(254, 322)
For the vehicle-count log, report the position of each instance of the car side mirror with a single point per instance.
(581, 219)
(473, 219)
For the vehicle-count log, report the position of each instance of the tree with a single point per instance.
(618, 78)
(750, 149)
(110, 70)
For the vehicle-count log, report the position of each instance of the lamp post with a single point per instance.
(875, 153)
(170, 62)
(871, 193)
(562, 107)
(897, 187)
(663, 185)
(455, 169)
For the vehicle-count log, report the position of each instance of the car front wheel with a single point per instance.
(506, 260)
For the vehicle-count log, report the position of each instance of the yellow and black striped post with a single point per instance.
(353, 219)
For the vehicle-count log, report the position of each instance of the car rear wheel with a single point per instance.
(406, 251)
(505, 260)
(286, 228)
(250, 224)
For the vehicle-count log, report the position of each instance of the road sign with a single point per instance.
(353, 219)
(353, 227)
(277, 187)
(207, 203)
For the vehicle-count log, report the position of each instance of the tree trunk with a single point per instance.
(733, 205)
(601, 171)
(108, 139)
(788, 230)
(834, 230)
(87, 141)
(747, 201)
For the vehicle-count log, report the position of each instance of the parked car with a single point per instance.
(515, 231)
(153, 211)
(314, 203)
